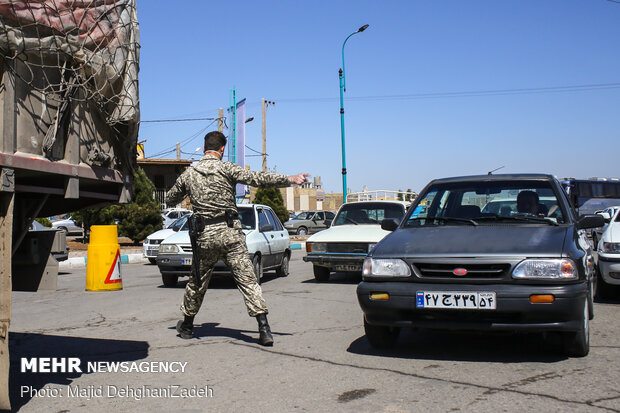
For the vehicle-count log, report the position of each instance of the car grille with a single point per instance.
(186, 248)
(155, 241)
(443, 270)
(348, 248)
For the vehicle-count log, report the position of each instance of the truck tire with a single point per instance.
(321, 274)
(170, 280)
(381, 336)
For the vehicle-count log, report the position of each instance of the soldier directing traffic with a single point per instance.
(216, 230)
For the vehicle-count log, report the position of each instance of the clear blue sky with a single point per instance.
(397, 136)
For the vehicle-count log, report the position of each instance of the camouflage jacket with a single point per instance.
(211, 185)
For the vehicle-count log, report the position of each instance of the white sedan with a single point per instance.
(609, 259)
(353, 233)
(150, 247)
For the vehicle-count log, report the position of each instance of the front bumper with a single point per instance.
(150, 251)
(332, 260)
(514, 311)
(609, 268)
(177, 264)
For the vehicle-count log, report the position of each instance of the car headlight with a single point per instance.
(538, 269)
(611, 247)
(168, 249)
(316, 247)
(380, 267)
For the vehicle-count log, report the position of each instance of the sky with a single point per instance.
(434, 88)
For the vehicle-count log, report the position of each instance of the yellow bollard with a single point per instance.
(103, 264)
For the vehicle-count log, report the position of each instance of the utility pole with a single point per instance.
(220, 120)
(178, 150)
(265, 104)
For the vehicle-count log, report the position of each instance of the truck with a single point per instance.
(69, 115)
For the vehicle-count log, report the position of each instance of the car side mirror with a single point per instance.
(328, 223)
(389, 224)
(590, 221)
(266, 228)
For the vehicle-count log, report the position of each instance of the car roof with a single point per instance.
(498, 177)
(383, 201)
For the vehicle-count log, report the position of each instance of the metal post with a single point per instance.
(343, 89)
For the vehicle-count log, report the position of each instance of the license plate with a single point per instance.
(152, 248)
(186, 261)
(349, 267)
(458, 300)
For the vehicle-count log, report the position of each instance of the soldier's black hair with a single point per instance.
(214, 141)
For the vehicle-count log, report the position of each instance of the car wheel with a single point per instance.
(302, 231)
(603, 290)
(258, 268)
(170, 280)
(381, 336)
(321, 274)
(152, 260)
(64, 229)
(282, 270)
(578, 342)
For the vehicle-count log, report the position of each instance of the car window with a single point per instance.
(329, 215)
(368, 213)
(246, 216)
(305, 215)
(262, 218)
(320, 216)
(178, 224)
(277, 226)
(173, 215)
(490, 202)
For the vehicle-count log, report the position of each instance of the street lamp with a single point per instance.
(343, 89)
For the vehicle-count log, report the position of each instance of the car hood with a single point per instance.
(461, 241)
(612, 233)
(350, 233)
(182, 237)
(161, 234)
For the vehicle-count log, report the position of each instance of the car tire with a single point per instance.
(381, 336)
(604, 290)
(283, 269)
(64, 229)
(257, 265)
(170, 280)
(302, 231)
(578, 342)
(153, 260)
(321, 274)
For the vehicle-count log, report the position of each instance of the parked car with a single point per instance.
(354, 231)
(60, 249)
(608, 214)
(309, 222)
(609, 258)
(150, 247)
(454, 267)
(267, 241)
(67, 224)
(169, 215)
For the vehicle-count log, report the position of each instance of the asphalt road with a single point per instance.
(321, 360)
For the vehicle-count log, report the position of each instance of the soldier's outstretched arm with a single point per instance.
(298, 179)
(178, 192)
(255, 178)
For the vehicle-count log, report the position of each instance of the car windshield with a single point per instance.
(304, 215)
(475, 203)
(363, 213)
(179, 224)
(246, 216)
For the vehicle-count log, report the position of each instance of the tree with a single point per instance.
(142, 217)
(87, 217)
(272, 197)
(410, 195)
(400, 196)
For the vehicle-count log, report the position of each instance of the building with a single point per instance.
(163, 173)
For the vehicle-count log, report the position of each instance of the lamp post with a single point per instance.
(343, 89)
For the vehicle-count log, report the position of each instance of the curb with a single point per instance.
(80, 262)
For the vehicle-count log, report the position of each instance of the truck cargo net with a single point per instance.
(72, 50)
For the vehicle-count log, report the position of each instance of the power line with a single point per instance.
(177, 120)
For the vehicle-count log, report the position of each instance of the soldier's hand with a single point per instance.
(298, 179)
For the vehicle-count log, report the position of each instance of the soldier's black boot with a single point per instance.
(185, 327)
(265, 338)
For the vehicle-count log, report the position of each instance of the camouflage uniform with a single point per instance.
(211, 188)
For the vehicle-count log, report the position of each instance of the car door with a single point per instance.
(318, 222)
(266, 230)
(279, 237)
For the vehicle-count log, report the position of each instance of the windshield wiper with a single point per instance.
(350, 220)
(471, 221)
(518, 218)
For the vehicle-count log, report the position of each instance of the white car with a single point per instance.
(169, 215)
(67, 224)
(609, 259)
(267, 241)
(150, 247)
(352, 234)
(607, 213)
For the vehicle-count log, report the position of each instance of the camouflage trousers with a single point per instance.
(221, 242)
